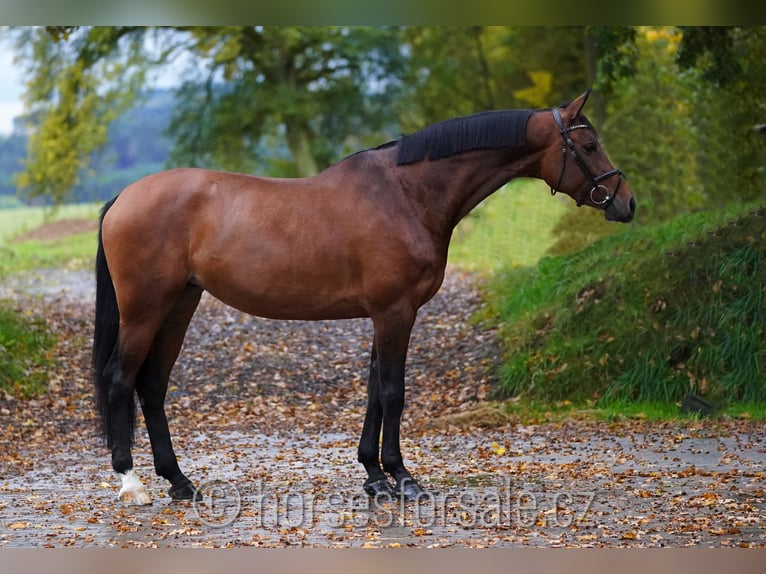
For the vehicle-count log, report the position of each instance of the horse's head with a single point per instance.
(574, 163)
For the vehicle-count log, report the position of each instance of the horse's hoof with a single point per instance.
(135, 497)
(185, 491)
(379, 488)
(133, 492)
(409, 490)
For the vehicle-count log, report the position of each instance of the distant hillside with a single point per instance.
(137, 146)
(648, 314)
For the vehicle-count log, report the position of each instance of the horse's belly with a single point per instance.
(299, 300)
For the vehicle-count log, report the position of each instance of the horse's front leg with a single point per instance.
(369, 444)
(392, 336)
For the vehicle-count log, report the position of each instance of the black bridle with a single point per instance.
(592, 182)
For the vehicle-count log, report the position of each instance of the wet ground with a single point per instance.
(305, 490)
(266, 415)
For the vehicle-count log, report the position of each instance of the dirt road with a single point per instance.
(266, 416)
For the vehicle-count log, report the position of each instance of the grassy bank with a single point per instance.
(644, 316)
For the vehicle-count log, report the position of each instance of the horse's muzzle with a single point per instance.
(620, 212)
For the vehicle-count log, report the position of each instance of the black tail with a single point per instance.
(107, 326)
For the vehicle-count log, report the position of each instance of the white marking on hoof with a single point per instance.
(132, 491)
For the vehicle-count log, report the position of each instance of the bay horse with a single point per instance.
(367, 237)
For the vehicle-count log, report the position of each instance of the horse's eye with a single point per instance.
(590, 147)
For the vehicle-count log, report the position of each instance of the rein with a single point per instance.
(593, 182)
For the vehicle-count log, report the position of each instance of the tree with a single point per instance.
(651, 127)
(452, 71)
(554, 52)
(314, 88)
(318, 87)
(74, 89)
(729, 64)
(460, 70)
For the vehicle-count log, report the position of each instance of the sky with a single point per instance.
(11, 88)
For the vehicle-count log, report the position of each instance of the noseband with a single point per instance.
(592, 182)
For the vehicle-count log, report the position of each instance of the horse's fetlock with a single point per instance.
(367, 456)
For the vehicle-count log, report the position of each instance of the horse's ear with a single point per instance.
(576, 105)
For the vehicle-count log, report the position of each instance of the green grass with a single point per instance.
(511, 228)
(24, 346)
(25, 341)
(16, 221)
(72, 252)
(535, 411)
(646, 315)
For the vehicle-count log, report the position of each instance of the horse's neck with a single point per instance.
(450, 188)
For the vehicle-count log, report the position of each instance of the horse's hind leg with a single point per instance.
(120, 379)
(152, 385)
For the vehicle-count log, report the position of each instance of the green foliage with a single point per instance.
(648, 314)
(324, 89)
(24, 346)
(451, 71)
(619, 56)
(136, 146)
(685, 141)
(727, 103)
(671, 103)
(711, 49)
(650, 132)
(511, 228)
(459, 70)
(74, 90)
(558, 50)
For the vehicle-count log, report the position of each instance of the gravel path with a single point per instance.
(266, 415)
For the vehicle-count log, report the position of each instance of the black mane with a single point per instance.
(484, 130)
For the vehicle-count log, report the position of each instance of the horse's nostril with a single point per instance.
(632, 205)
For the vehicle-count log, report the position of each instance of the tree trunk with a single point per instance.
(299, 142)
(486, 76)
(596, 103)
